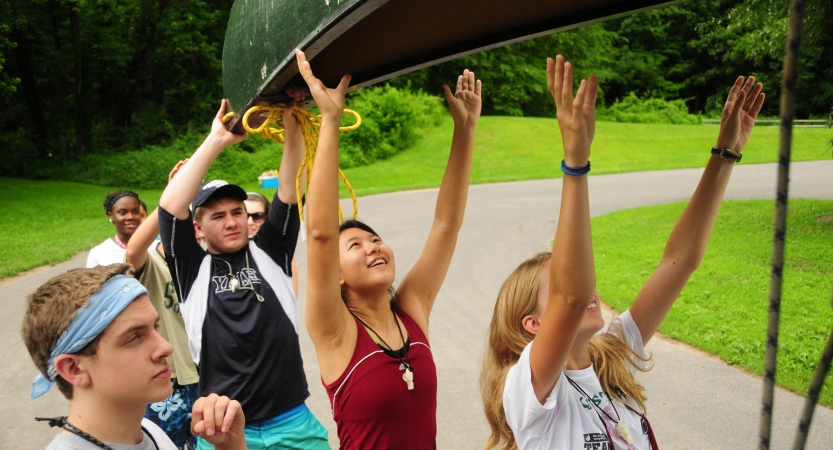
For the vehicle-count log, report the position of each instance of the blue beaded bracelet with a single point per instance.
(575, 171)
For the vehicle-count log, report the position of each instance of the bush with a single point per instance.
(392, 120)
(632, 109)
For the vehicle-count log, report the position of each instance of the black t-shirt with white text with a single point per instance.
(249, 349)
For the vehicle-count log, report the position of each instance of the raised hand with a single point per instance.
(329, 101)
(465, 103)
(576, 116)
(176, 169)
(219, 132)
(218, 420)
(739, 113)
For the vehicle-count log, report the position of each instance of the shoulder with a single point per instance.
(70, 442)
(624, 327)
(524, 413)
(104, 246)
(162, 440)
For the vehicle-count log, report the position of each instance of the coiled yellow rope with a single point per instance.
(310, 127)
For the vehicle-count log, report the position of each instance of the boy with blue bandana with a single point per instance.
(93, 333)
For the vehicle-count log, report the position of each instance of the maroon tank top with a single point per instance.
(372, 406)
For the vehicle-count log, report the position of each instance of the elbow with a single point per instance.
(449, 224)
(130, 256)
(319, 234)
(579, 301)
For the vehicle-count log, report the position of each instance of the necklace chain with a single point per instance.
(401, 336)
(593, 404)
(62, 422)
(119, 242)
(231, 276)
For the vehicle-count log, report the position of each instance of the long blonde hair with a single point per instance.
(612, 358)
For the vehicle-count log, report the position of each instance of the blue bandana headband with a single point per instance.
(107, 303)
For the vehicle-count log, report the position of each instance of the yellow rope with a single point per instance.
(310, 127)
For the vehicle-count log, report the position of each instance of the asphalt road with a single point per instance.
(695, 401)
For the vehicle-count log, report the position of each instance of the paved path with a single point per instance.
(695, 401)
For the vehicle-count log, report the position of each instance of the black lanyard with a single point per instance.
(651, 438)
(61, 422)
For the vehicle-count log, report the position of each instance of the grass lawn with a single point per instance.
(47, 222)
(527, 148)
(723, 309)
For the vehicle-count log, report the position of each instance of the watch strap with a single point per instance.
(727, 154)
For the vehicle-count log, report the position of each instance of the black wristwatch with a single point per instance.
(727, 153)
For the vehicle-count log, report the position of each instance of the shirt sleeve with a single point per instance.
(524, 413)
(91, 261)
(278, 235)
(624, 327)
(182, 252)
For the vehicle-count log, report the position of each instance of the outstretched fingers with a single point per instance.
(733, 93)
(555, 74)
(343, 84)
(756, 107)
(737, 108)
(567, 84)
(304, 68)
(753, 96)
(449, 96)
(592, 93)
(222, 111)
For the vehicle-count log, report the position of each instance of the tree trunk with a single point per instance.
(80, 107)
(29, 88)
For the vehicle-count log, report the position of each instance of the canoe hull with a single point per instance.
(374, 40)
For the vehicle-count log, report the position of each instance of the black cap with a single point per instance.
(217, 189)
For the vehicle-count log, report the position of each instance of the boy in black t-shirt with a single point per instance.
(240, 313)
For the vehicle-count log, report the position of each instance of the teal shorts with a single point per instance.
(294, 429)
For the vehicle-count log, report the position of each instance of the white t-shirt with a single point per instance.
(106, 253)
(73, 442)
(567, 421)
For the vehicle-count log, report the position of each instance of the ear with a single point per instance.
(71, 369)
(531, 324)
(198, 231)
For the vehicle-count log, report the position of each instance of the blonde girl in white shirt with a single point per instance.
(550, 380)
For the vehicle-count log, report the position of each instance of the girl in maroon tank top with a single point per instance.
(371, 342)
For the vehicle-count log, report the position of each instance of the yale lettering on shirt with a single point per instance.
(246, 277)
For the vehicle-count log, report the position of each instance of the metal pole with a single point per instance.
(813, 395)
(788, 94)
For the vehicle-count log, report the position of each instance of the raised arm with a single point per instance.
(181, 190)
(420, 286)
(572, 277)
(326, 314)
(293, 149)
(143, 237)
(687, 244)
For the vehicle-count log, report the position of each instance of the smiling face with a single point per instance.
(223, 225)
(126, 215)
(366, 262)
(256, 209)
(592, 321)
(130, 367)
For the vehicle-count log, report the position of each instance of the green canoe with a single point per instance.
(374, 40)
